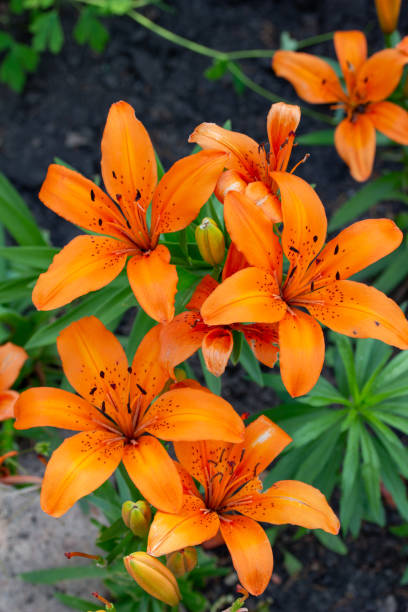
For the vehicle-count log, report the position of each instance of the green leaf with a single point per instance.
(250, 363)
(16, 217)
(38, 257)
(391, 443)
(352, 457)
(211, 381)
(314, 428)
(370, 471)
(401, 531)
(392, 481)
(141, 325)
(351, 507)
(345, 351)
(320, 137)
(76, 603)
(89, 29)
(394, 272)
(292, 564)
(12, 73)
(324, 447)
(216, 70)
(65, 572)
(287, 42)
(404, 578)
(17, 288)
(323, 394)
(368, 196)
(6, 41)
(48, 32)
(330, 541)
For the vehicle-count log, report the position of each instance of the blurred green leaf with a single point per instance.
(16, 217)
(89, 29)
(48, 32)
(330, 541)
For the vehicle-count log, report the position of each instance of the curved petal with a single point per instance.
(183, 190)
(181, 338)
(250, 551)
(204, 288)
(355, 248)
(149, 372)
(43, 406)
(79, 466)
(191, 526)
(85, 264)
(217, 348)
(263, 340)
(187, 481)
(95, 364)
(229, 180)
(153, 280)
(244, 153)
(301, 352)
(351, 51)
(294, 502)
(190, 414)
(12, 359)
(283, 120)
(234, 262)
(7, 403)
(268, 202)
(304, 222)
(313, 78)
(129, 168)
(355, 143)
(154, 473)
(359, 311)
(390, 119)
(249, 295)
(80, 201)
(203, 459)
(379, 75)
(252, 232)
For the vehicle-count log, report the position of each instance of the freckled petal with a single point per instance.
(189, 527)
(252, 232)
(250, 551)
(351, 50)
(390, 119)
(149, 371)
(188, 484)
(190, 414)
(79, 466)
(95, 363)
(234, 262)
(263, 340)
(43, 406)
(217, 348)
(244, 154)
(154, 282)
(249, 295)
(301, 352)
(12, 359)
(380, 75)
(304, 222)
(80, 201)
(283, 120)
(184, 189)
(195, 456)
(313, 78)
(154, 473)
(128, 162)
(204, 288)
(359, 311)
(85, 264)
(181, 338)
(355, 143)
(7, 402)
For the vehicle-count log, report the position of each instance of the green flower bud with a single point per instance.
(183, 561)
(153, 577)
(210, 241)
(137, 516)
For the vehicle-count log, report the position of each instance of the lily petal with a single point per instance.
(181, 338)
(190, 414)
(78, 467)
(234, 262)
(7, 403)
(204, 288)
(355, 143)
(313, 78)
(380, 75)
(85, 264)
(301, 352)
(351, 51)
(390, 119)
(217, 348)
(229, 180)
(282, 122)
(149, 372)
(268, 202)
(359, 311)
(12, 359)
(153, 280)
(189, 527)
(250, 551)
(154, 473)
(249, 295)
(44, 406)
(252, 233)
(184, 189)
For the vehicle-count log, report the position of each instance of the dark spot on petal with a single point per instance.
(336, 250)
(102, 374)
(142, 391)
(100, 221)
(113, 385)
(138, 195)
(292, 248)
(315, 238)
(377, 323)
(337, 275)
(92, 391)
(114, 174)
(92, 195)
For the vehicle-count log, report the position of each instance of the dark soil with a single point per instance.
(62, 113)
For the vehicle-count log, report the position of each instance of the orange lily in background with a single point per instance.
(129, 172)
(388, 12)
(233, 502)
(187, 332)
(15, 479)
(315, 282)
(250, 165)
(12, 359)
(118, 418)
(368, 83)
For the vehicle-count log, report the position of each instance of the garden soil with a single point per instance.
(62, 113)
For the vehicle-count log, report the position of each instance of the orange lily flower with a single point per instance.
(187, 332)
(118, 418)
(12, 359)
(250, 165)
(233, 502)
(315, 282)
(368, 83)
(129, 172)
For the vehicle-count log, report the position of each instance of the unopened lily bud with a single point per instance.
(180, 374)
(183, 561)
(153, 577)
(210, 241)
(137, 516)
(388, 12)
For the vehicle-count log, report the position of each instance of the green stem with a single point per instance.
(314, 40)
